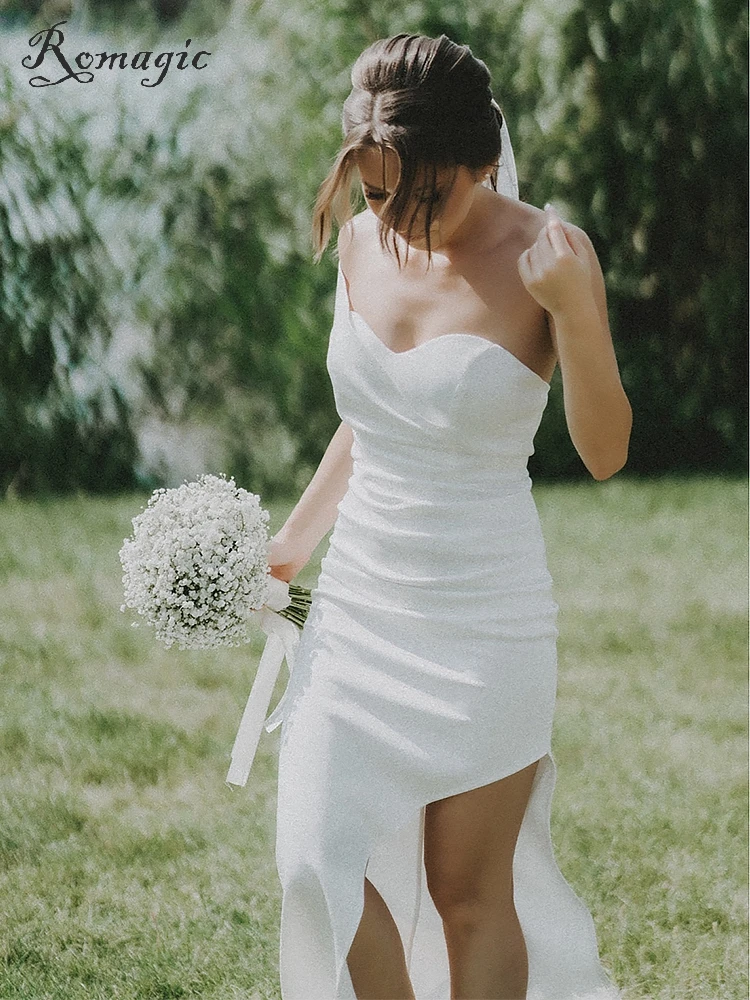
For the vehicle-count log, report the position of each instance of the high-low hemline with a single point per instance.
(545, 903)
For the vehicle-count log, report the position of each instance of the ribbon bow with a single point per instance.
(283, 637)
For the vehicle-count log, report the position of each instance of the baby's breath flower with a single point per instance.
(197, 563)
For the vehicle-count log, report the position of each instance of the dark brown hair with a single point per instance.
(429, 100)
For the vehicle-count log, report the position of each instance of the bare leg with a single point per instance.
(376, 960)
(470, 841)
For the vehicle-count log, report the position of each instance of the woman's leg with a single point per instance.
(376, 959)
(470, 840)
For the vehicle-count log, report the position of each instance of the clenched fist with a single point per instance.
(286, 558)
(555, 269)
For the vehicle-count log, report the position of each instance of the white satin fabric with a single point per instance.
(427, 666)
(283, 639)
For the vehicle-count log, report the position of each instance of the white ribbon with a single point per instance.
(283, 637)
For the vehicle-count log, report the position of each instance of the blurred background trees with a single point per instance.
(161, 315)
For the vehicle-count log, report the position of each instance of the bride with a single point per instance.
(445, 256)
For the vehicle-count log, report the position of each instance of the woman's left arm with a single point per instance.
(562, 272)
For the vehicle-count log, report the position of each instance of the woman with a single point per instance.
(415, 768)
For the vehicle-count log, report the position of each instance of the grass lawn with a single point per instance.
(128, 869)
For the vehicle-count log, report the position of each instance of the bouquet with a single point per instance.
(196, 568)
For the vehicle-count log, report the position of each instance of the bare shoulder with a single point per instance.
(350, 237)
(513, 225)
(537, 220)
(521, 222)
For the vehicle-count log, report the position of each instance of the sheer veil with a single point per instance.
(507, 178)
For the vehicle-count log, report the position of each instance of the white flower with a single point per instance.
(197, 563)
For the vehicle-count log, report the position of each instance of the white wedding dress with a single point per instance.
(427, 666)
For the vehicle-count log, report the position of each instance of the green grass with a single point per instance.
(128, 869)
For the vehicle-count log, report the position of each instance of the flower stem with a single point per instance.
(297, 610)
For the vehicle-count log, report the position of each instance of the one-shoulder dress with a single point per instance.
(427, 666)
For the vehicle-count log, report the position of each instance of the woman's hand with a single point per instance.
(555, 269)
(285, 558)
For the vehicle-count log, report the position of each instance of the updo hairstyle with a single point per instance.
(429, 100)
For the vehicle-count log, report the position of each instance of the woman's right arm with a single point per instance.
(315, 513)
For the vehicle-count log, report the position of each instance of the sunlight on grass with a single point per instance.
(128, 869)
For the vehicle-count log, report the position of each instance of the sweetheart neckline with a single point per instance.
(444, 336)
(470, 336)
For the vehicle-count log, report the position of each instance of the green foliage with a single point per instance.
(647, 145)
(63, 422)
(203, 240)
(244, 347)
(192, 229)
(196, 16)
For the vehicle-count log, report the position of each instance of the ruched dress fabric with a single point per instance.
(427, 666)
